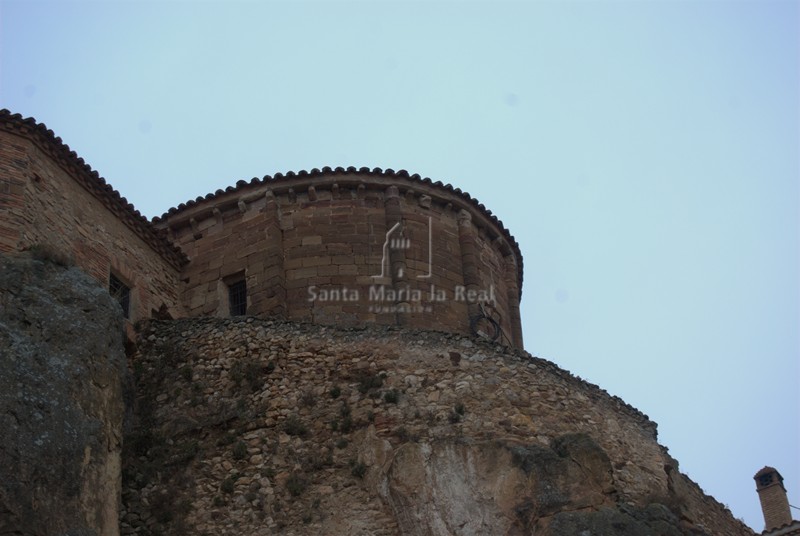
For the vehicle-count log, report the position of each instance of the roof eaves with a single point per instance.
(46, 140)
(279, 178)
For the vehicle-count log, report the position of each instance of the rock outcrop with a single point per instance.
(62, 364)
(253, 426)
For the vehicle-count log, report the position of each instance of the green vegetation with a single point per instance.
(240, 450)
(368, 381)
(296, 485)
(295, 427)
(249, 372)
(358, 469)
(49, 253)
(347, 419)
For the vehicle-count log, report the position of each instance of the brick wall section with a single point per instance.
(13, 166)
(43, 204)
(774, 506)
(315, 250)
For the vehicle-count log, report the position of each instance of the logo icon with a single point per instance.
(397, 241)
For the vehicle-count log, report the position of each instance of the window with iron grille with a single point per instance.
(237, 298)
(120, 292)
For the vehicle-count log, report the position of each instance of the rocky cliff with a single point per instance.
(254, 426)
(61, 368)
(250, 426)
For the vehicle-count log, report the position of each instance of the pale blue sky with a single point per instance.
(644, 155)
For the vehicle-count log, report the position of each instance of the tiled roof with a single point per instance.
(51, 144)
(789, 529)
(765, 470)
(402, 175)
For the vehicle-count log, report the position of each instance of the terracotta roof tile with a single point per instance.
(46, 140)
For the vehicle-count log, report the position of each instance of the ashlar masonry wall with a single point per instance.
(347, 248)
(42, 203)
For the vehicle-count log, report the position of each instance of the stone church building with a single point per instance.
(348, 247)
(331, 246)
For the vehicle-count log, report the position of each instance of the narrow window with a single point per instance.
(237, 298)
(120, 292)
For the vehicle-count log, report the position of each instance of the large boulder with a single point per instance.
(62, 365)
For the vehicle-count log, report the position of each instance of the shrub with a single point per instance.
(347, 425)
(49, 253)
(335, 392)
(185, 452)
(227, 439)
(347, 420)
(227, 486)
(367, 381)
(249, 372)
(296, 485)
(308, 399)
(402, 434)
(295, 427)
(186, 372)
(342, 443)
(239, 451)
(317, 461)
(454, 417)
(391, 397)
(358, 470)
(460, 408)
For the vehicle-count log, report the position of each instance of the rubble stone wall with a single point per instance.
(251, 426)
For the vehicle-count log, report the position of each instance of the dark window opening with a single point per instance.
(765, 480)
(120, 292)
(237, 298)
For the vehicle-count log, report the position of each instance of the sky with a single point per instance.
(645, 155)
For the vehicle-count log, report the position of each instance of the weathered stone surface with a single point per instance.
(270, 426)
(485, 488)
(654, 520)
(61, 408)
